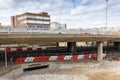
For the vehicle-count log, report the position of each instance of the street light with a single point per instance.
(6, 50)
(106, 12)
(6, 59)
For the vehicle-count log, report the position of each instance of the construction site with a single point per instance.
(59, 64)
(67, 70)
(69, 40)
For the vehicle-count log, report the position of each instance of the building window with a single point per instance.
(38, 17)
(31, 16)
(38, 27)
(39, 22)
(31, 21)
(34, 17)
(22, 22)
(46, 18)
(21, 17)
(46, 22)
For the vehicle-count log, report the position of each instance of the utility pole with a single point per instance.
(106, 13)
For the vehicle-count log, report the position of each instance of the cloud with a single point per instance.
(6, 3)
(5, 11)
(76, 13)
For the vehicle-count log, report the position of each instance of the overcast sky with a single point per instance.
(75, 13)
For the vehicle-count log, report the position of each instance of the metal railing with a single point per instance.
(30, 31)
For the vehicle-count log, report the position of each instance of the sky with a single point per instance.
(74, 13)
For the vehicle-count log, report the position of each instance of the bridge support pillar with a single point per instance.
(117, 46)
(71, 47)
(57, 44)
(100, 51)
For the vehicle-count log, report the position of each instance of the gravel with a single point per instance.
(3, 79)
(103, 65)
(64, 71)
(53, 77)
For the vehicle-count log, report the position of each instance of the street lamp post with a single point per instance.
(106, 12)
(6, 59)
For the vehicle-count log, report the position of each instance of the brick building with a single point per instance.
(31, 21)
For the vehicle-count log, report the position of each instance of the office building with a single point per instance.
(31, 21)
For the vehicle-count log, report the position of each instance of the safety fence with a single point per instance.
(56, 58)
(21, 49)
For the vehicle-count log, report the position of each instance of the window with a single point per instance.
(21, 17)
(39, 22)
(38, 27)
(31, 26)
(31, 16)
(46, 22)
(38, 17)
(46, 18)
(23, 22)
(46, 26)
(31, 21)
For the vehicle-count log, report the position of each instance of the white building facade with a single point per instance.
(58, 27)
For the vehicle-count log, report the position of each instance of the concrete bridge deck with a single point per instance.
(49, 38)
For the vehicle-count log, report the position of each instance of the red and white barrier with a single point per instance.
(80, 57)
(53, 58)
(74, 57)
(22, 49)
(29, 59)
(38, 58)
(61, 57)
(68, 57)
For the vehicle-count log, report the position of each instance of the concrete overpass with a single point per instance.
(50, 38)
